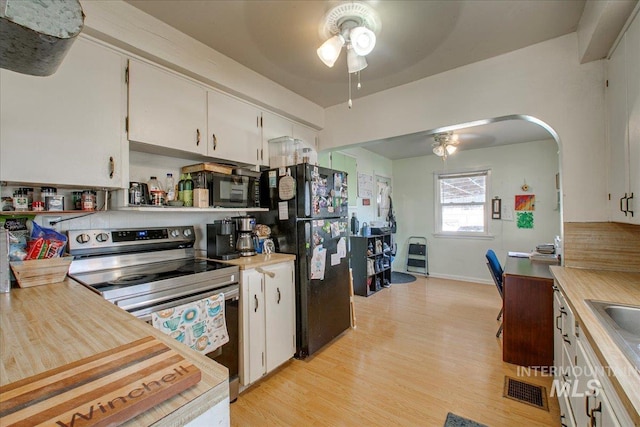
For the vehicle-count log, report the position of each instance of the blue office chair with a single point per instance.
(496, 272)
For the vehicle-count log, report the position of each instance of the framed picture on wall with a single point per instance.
(496, 208)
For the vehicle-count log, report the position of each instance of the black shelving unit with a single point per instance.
(370, 263)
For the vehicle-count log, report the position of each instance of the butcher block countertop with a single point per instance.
(47, 327)
(579, 285)
(259, 260)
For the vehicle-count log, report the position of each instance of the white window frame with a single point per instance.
(438, 206)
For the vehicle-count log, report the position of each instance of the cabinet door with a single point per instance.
(68, 128)
(618, 130)
(234, 129)
(253, 326)
(273, 126)
(633, 108)
(280, 314)
(558, 360)
(308, 136)
(166, 110)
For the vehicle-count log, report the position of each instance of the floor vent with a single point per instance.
(530, 394)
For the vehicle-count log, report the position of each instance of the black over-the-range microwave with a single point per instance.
(233, 191)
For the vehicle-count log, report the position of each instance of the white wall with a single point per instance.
(510, 165)
(544, 81)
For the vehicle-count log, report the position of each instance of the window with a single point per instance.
(462, 205)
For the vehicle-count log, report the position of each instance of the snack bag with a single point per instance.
(18, 235)
(47, 243)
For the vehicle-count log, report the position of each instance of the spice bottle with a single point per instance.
(188, 191)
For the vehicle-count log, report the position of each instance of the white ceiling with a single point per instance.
(418, 38)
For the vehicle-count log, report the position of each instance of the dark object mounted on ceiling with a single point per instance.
(35, 35)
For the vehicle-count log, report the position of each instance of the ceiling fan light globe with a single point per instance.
(438, 150)
(363, 40)
(451, 149)
(355, 62)
(330, 50)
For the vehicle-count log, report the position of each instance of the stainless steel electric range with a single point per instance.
(144, 270)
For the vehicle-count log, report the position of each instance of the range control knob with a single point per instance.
(102, 237)
(83, 238)
(187, 232)
(175, 233)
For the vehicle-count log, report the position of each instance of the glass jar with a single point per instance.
(76, 199)
(89, 200)
(20, 200)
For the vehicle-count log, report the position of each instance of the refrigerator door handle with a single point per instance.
(307, 198)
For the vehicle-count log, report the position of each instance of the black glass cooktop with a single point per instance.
(118, 278)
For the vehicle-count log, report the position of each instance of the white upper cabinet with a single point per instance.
(623, 118)
(633, 108)
(308, 136)
(166, 110)
(234, 130)
(68, 128)
(273, 126)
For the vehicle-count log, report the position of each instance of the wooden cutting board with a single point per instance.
(102, 390)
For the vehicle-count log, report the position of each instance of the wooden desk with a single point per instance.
(527, 337)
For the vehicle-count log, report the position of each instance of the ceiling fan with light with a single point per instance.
(352, 25)
(444, 144)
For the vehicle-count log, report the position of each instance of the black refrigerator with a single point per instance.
(308, 218)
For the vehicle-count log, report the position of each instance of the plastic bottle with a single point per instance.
(155, 191)
(181, 188)
(170, 186)
(134, 194)
(188, 191)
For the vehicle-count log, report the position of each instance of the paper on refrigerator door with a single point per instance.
(335, 259)
(318, 262)
(342, 247)
(283, 211)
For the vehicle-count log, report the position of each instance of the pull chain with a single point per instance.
(359, 85)
(350, 103)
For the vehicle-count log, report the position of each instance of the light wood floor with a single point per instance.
(420, 350)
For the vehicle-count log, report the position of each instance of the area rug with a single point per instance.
(454, 420)
(397, 277)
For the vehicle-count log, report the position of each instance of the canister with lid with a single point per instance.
(52, 201)
(89, 200)
(77, 200)
(20, 199)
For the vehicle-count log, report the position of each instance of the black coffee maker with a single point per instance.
(221, 240)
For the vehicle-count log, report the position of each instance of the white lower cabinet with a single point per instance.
(268, 322)
(67, 128)
(585, 394)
